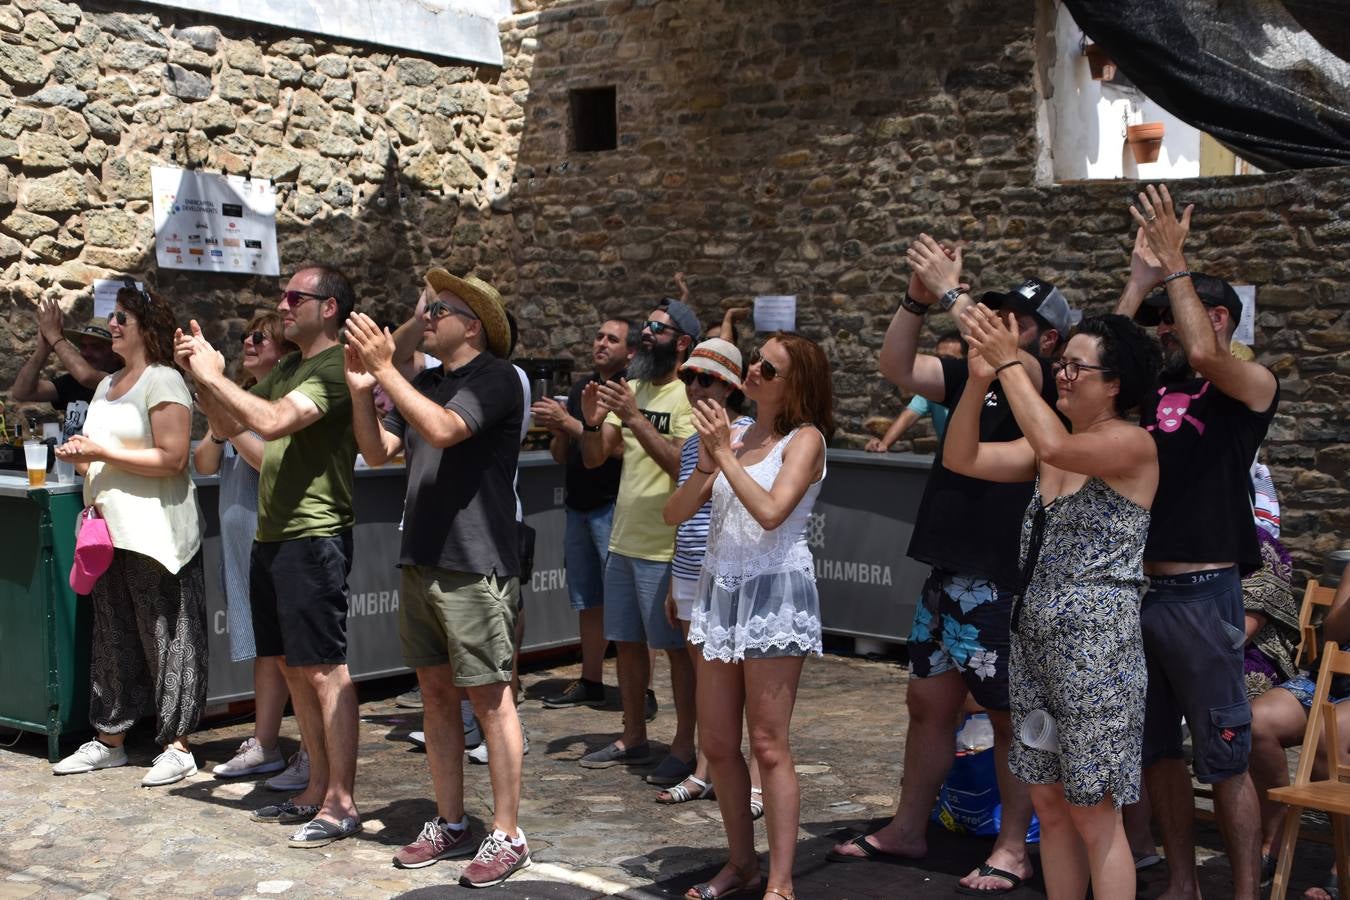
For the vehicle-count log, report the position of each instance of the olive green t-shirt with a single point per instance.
(305, 486)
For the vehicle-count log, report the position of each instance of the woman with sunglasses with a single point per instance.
(757, 613)
(149, 636)
(238, 460)
(1077, 651)
(713, 373)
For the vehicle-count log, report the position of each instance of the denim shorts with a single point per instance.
(585, 547)
(1195, 672)
(635, 603)
(298, 595)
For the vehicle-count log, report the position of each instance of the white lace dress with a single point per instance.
(757, 593)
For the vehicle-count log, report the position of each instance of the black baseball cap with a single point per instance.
(1212, 292)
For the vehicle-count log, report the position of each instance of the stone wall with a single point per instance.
(764, 146)
(791, 146)
(383, 162)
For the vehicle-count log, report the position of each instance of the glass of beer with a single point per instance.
(35, 455)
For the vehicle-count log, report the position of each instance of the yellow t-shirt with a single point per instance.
(644, 487)
(156, 517)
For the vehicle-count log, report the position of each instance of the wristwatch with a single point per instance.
(948, 300)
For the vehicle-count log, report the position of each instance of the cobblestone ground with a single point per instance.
(591, 832)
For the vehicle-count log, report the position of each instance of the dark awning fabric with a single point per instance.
(1245, 71)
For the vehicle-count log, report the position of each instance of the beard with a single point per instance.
(654, 362)
(1176, 366)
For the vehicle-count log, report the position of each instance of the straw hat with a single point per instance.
(485, 302)
(718, 358)
(94, 331)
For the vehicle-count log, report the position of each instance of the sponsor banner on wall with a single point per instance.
(210, 222)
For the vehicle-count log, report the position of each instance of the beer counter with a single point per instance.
(858, 535)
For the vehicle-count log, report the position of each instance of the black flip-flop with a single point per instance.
(988, 871)
(871, 853)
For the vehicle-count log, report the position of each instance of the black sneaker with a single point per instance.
(651, 705)
(579, 693)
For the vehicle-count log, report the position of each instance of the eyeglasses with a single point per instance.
(119, 316)
(256, 336)
(705, 379)
(439, 309)
(767, 370)
(1071, 369)
(296, 299)
(660, 327)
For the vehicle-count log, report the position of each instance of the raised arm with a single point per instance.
(440, 427)
(377, 445)
(51, 323)
(406, 338)
(1247, 382)
(29, 385)
(962, 450)
(934, 270)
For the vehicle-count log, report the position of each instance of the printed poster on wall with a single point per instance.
(214, 223)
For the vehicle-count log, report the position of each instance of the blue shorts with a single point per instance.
(1303, 689)
(963, 624)
(635, 603)
(585, 547)
(1194, 672)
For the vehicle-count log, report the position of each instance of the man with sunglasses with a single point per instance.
(86, 353)
(302, 553)
(645, 422)
(459, 426)
(589, 497)
(1208, 420)
(967, 530)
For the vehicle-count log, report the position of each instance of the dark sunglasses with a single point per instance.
(296, 299)
(119, 316)
(439, 309)
(256, 336)
(767, 370)
(1073, 369)
(660, 327)
(705, 380)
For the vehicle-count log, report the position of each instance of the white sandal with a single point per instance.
(757, 804)
(678, 793)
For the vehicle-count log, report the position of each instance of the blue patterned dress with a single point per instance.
(1076, 648)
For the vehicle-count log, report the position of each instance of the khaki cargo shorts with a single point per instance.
(461, 618)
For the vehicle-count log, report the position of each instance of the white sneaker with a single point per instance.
(479, 754)
(92, 755)
(170, 766)
(296, 776)
(251, 759)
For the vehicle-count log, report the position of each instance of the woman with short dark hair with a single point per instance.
(1077, 651)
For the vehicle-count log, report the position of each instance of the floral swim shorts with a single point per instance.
(963, 624)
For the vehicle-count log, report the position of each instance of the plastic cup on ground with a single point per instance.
(35, 456)
(1039, 731)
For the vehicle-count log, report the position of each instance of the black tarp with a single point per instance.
(1245, 71)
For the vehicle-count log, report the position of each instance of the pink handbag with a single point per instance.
(93, 551)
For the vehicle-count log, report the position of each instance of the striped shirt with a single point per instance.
(691, 538)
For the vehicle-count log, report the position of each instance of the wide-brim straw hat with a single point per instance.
(485, 302)
(718, 358)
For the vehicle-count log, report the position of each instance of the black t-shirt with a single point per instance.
(967, 525)
(588, 489)
(460, 510)
(73, 398)
(1206, 441)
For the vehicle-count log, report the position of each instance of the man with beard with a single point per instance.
(967, 530)
(590, 495)
(1208, 419)
(646, 421)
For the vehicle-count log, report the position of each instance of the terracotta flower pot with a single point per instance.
(1145, 141)
(1099, 63)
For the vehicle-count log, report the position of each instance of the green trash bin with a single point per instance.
(44, 627)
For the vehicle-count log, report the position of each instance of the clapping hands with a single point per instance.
(993, 340)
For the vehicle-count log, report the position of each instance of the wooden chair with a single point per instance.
(1314, 596)
(1330, 795)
